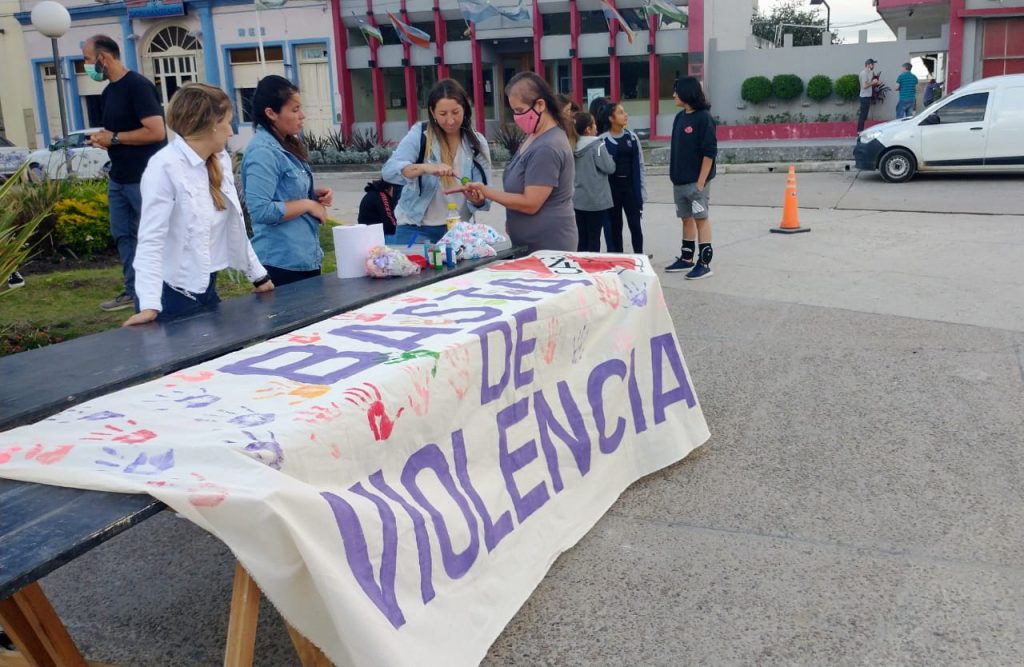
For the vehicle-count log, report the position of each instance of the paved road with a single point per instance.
(861, 500)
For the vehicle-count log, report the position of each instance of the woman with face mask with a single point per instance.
(434, 157)
(286, 209)
(538, 180)
(191, 225)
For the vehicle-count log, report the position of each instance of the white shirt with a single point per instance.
(437, 210)
(183, 238)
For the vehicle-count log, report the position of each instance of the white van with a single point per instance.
(978, 128)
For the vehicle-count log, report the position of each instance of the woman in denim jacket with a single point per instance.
(285, 208)
(433, 157)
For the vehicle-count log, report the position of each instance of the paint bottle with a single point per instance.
(449, 256)
(439, 255)
(426, 253)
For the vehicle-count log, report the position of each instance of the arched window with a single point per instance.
(172, 53)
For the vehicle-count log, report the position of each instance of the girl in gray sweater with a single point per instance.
(593, 195)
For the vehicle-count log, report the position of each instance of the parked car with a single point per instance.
(86, 161)
(11, 157)
(978, 128)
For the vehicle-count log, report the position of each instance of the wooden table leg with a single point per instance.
(29, 620)
(309, 654)
(245, 610)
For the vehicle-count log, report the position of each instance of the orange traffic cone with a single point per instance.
(790, 217)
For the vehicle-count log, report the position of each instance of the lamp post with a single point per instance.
(53, 20)
(828, 17)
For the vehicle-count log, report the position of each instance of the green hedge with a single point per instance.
(756, 89)
(787, 86)
(848, 87)
(819, 87)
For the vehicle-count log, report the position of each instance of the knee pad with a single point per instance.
(706, 253)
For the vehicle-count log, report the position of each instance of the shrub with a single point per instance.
(787, 86)
(822, 117)
(500, 154)
(15, 230)
(509, 137)
(349, 157)
(819, 87)
(848, 87)
(83, 220)
(756, 89)
(381, 153)
(362, 141)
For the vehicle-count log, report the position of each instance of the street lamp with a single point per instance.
(828, 17)
(53, 20)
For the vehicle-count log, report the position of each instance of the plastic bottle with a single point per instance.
(453, 215)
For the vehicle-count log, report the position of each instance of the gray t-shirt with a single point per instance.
(546, 161)
(865, 78)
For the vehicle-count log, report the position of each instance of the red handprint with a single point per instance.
(55, 455)
(459, 357)
(607, 292)
(551, 344)
(381, 424)
(320, 414)
(419, 400)
(359, 317)
(127, 437)
(304, 339)
(201, 376)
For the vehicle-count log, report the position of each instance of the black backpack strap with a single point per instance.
(423, 151)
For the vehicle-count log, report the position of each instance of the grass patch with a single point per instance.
(61, 305)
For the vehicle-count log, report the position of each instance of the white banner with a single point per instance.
(398, 479)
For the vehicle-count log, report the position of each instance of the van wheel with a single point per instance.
(897, 166)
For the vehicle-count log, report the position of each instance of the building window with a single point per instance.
(362, 96)
(670, 68)
(596, 74)
(456, 31)
(426, 77)
(556, 24)
(633, 77)
(252, 55)
(172, 55)
(246, 71)
(593, 22)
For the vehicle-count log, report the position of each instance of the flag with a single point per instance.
(612, 14)
(517, 14)
(476, 11)
(667, 10)
(371, 31)
(409, 34)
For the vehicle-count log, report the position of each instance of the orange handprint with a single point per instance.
(301, 391)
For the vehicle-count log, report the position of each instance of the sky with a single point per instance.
(847, 13)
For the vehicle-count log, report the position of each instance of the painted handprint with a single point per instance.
(623, 339)
(79, 414)
(139, 463)
(115, 434)
(419, 399)
(37, 453)
(201, 492)
(320, 414)
(458, 357)
(194, 398)
(402, 357)
(607, 292)
(335, 450)
(268, 451)
(198, 376)
(551, 342)
(371, 400)
(357, 316)
(301, 392)
(303, 339)
(578, 341)
(636, 293)
(249, 418)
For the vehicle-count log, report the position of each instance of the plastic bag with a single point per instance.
(384, 262)
(474, 238)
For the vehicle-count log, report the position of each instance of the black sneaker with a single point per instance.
(679, 265)
(699, 271)
(15, 281)
(119, 302)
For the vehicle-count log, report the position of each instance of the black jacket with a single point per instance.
(378, 207)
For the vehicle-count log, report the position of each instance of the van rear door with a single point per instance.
(1006, 129)
(954, 134)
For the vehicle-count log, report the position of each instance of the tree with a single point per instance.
(783, 18)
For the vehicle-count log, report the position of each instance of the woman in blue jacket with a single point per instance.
(433, 157)
(286, 209)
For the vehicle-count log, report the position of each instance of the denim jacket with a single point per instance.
(271, 177)
(413, 203)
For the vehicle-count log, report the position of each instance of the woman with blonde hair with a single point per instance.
(191, 224)
(432, 158)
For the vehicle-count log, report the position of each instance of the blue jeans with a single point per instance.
(125, 202)
(904, 108)
(406, 234)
